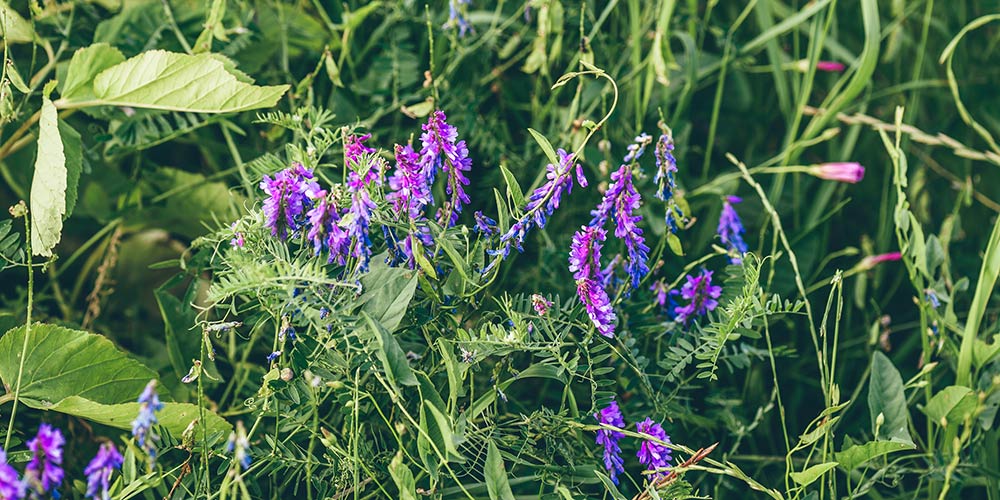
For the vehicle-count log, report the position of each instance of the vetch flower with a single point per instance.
(540, 303)
(441, 150)
(621, 203)
(666, 167)
(731, 229)
(142, 426)
(637, 148)
(542, 203)
(358, 217)
(239, 445)
(584, 263)
(273, 356)
(701, 295)
(484, 224)
(849, 172)
(608, 438)
(411, 192)
(238, 240)
(286, 199)
(652, 454)
(44, 472)
(325, 231)
(11, 487)
(99, 471)
(802, 65)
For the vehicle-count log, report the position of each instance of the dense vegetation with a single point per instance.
(467, 249)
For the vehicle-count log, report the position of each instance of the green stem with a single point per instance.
(27, 332)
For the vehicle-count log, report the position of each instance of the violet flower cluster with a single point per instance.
(455, 17)
(653, 453)
(441, 150)
(411, 192)
(142, 426)
(608, 438)
(286, 199)
(731, 229)
(666, 184)
(621, 204)
(99, 470)
(584, 263)
(542, 203)
(44, 473)
(701, 294)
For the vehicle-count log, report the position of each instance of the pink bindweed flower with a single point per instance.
(849, 172)
(802, 65)
(873, 260)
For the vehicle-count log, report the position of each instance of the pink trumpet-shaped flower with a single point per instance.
(850, 172)
(873, 260)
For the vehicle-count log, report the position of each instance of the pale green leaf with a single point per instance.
(496, 477)
(546, 146)
(860, 454)
(951, 404)
(403, 477)
(84, 66)
(513, 188)
(886, 397)
(393, 359)
(387, 293)
(810, 475)
(48, 186)
(13, 27)
(61, 362)
(175, 417)
(170, 81)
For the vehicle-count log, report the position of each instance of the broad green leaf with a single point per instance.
(675, 244)
(438, 428)
(860, 454)
(73, 149)
(496, 477)
(513, 188)
(951, 404)
(403, 477)
(15, 78)
(393, 359)
(86, 63)
(48, 186)
(983, 352)
(810, 475)
(333, 73)
(886, 397)
(13, 27)
(175, 417)
(546, 146)
(158, 79)
(61, 363)
(387, 293)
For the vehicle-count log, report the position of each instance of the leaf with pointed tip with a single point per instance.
(48, 186)
(158, 79)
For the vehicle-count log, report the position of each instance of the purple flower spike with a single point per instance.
(99, 471)
(44, 472)
(653, 455)
(142, 426)
(731, 229)
(701, 294)
(11, 487)
(358, 218)
(324, 229)
(666, 167)
(287, 199)
(441, 150)
(542, 203)
(621, 203)
(484, 224)
(584, 263)
(637, 148)
(608, 438)
(540, 303)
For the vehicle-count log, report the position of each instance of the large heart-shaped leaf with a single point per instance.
(60, 363)
(886, 398)
(158, 79)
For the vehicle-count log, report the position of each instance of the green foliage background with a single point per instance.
(727, 77)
